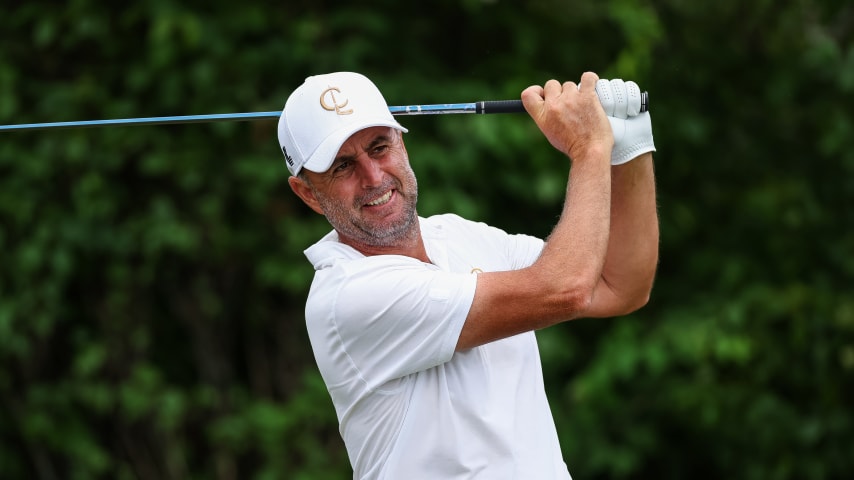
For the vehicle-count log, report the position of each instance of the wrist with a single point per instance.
(632, 137)
(593, 153)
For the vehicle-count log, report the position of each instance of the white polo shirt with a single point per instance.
(383, 330)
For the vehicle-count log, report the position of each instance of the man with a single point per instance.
(423, 327)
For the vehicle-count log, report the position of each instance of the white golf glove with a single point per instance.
(632, 129)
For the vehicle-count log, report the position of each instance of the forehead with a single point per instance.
(364, 137)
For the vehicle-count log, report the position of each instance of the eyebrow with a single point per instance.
(381, 138)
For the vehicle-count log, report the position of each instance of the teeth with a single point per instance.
(385, 198)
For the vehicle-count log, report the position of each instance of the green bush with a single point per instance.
(152, 281)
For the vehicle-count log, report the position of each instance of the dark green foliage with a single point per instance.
(152, 278)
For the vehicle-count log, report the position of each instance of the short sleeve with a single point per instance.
(392, 316)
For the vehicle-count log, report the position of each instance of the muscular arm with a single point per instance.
(600, 258)
(632, 257)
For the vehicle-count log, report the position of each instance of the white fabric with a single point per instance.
(384, 329)
(632, 129)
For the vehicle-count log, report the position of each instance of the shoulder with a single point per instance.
(377, 270)
(455, 224)
(359, 303)
(376, 280)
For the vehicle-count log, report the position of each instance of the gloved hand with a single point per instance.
(632, 129)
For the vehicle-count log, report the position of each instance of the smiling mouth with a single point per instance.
(382, 200)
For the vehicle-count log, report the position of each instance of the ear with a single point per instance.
(305, 193)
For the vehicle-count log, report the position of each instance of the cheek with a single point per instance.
(401, 163)
(408, 175)
(339, 194)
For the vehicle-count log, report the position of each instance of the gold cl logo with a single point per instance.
(330, 103)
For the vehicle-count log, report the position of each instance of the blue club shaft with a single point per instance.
(484, 107)
(447, 108)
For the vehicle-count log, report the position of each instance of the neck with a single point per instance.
(410, 246)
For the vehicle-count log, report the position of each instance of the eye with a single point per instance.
(342, 166)
(379, 150)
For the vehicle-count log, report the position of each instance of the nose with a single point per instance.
(370, 172)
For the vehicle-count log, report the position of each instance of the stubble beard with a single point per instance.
(347, 222)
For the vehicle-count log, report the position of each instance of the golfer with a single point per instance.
(423, 328)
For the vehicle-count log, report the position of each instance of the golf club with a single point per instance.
(483, 107)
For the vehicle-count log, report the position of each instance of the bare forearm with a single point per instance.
(632, 256)
(575, 252)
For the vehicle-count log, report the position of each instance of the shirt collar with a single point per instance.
(329, 249)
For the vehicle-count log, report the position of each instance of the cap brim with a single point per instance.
(324, 155)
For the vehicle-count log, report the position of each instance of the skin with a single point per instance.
(599, 261)
(371, 164)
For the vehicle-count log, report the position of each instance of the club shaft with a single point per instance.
(448, 108)
(484, 107)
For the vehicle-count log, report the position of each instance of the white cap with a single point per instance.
(323, 112)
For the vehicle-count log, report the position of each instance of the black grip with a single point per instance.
(515, 106)
(500, 106)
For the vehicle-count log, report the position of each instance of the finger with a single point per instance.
(618, 89)
(588, 81)
(552, 88)
(633, 96)
(606, 97)
(532, 98)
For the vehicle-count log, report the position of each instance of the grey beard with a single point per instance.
(400, 233)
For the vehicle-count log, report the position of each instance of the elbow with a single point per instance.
(621, 298)
(577, 301)
(639, 298)
(639, 301)
(634, 291)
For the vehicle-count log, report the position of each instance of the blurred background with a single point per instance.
(152, 279)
